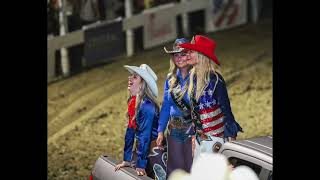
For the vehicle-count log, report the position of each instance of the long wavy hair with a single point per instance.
(202, 71)
(172, 75)
(143, 92)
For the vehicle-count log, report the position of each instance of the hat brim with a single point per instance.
(173, 51)
(200, 49)
(151, 83)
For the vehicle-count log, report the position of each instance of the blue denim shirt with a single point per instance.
(169, 108)
(147, 124)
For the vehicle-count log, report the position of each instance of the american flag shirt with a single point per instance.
(214, 110)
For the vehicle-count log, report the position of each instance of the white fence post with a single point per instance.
(185, 22)
(129, 33)
(255, 10)
(63, 30)
(51, 62)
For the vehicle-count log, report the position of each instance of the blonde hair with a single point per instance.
(202, 71)
(144, 92)
(172, 75)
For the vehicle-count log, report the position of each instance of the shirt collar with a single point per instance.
(179, 75)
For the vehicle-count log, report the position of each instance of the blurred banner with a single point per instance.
(224, 14)
(103, 41)
(160, 26)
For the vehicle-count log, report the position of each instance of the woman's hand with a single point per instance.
(121, 165)
(159, 140)
(141, 171)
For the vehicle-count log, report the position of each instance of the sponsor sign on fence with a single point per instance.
(160, 26)
(224, 14)
(103, 41)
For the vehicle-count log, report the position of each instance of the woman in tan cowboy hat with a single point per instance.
(212, 113)
(141, 133)
(175, 111)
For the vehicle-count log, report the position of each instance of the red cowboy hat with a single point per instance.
(203, 45)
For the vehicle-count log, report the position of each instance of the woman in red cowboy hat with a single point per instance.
(140, 149)
(175, 111)
(212, 115)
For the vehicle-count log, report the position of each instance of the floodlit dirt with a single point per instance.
(86, 112)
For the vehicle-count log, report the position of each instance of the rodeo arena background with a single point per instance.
(89, 42)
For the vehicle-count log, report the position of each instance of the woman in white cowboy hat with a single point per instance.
(141, 133)
(212, 113)
(175, 111)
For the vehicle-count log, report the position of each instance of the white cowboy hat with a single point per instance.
(147, 74)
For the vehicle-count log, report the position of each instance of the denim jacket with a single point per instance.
(147, 124)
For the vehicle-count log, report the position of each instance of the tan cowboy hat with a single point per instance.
(147, 75)
(176, 48)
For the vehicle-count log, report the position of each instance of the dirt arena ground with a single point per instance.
(86, 112)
